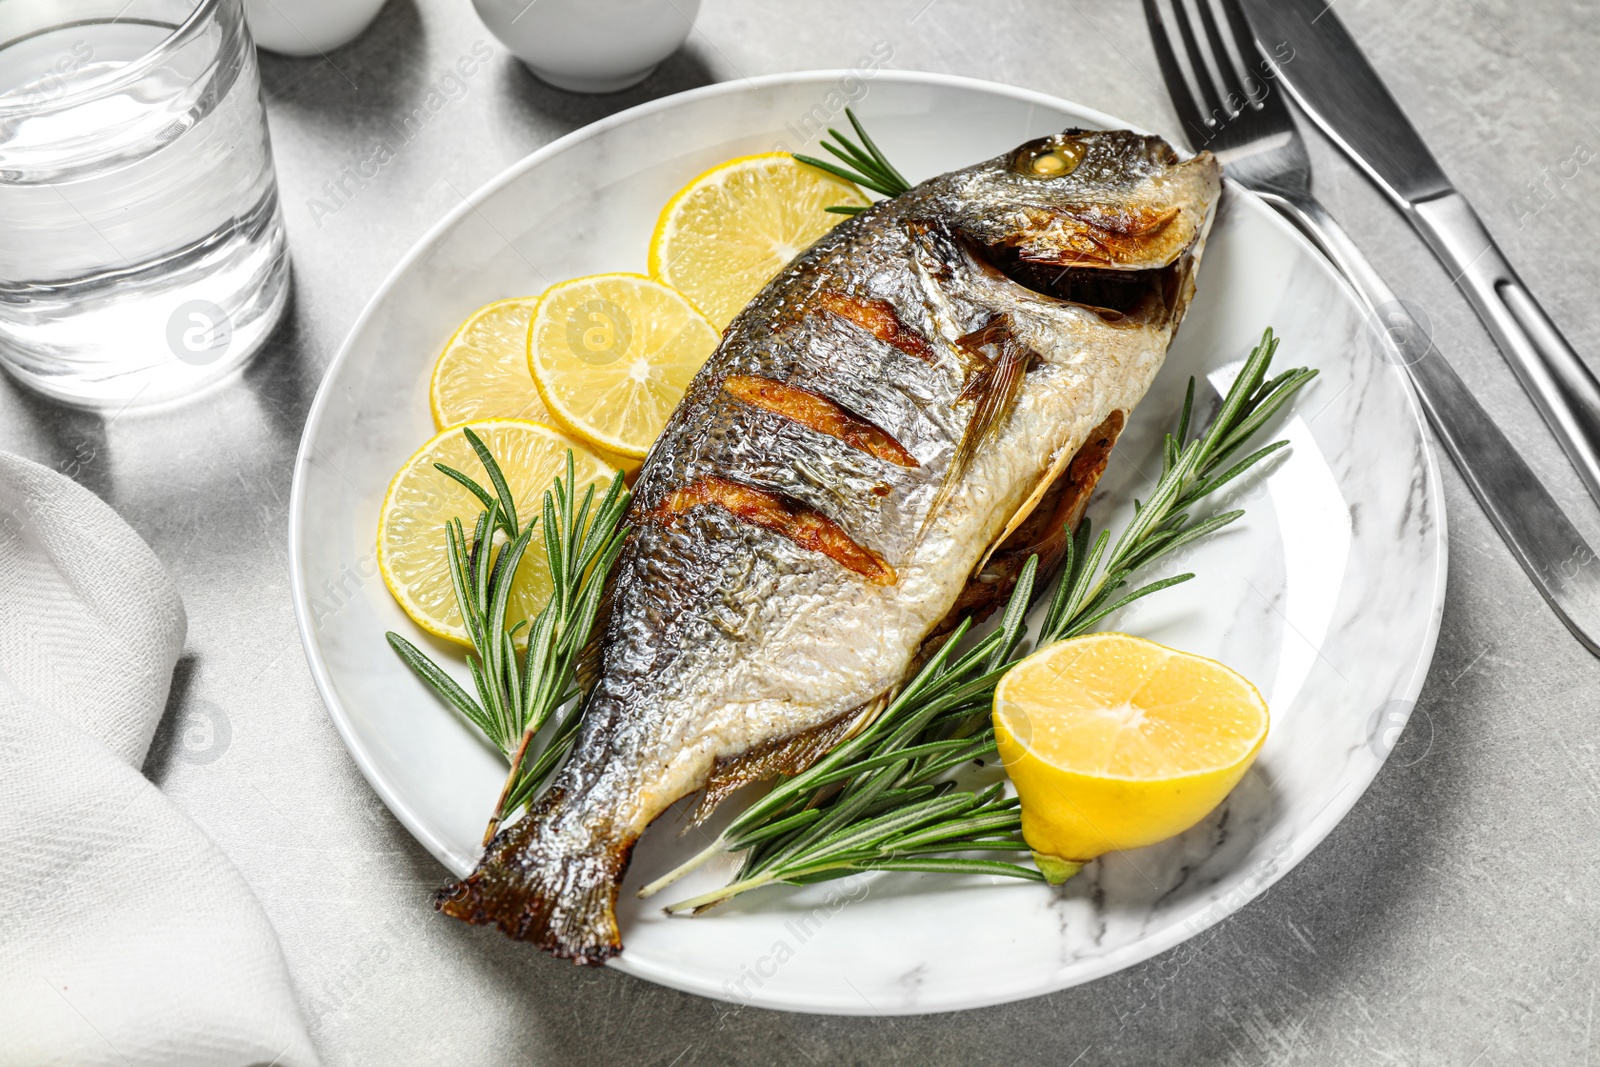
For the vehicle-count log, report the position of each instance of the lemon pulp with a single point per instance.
(483, 371)
(612, 354)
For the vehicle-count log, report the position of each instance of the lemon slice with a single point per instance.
(421, 499)
(483, 371)
(612, 355)
(731, 230)
(1114, 742)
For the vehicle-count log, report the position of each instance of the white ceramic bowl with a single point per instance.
(1327, 594)
(590, 46)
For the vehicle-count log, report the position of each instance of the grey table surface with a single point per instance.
(1450, 919)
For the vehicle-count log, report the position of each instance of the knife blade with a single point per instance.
(1332, 81)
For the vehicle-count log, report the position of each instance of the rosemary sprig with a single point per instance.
(872, 169)
(882, 800)
(517, 696)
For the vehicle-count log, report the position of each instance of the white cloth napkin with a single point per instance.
(126, 936)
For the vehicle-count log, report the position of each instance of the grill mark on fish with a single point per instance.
(805, 526)
(912, 401)
(818, 413)
(869, 498)
(878, 318)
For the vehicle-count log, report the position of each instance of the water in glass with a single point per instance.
(141, 247)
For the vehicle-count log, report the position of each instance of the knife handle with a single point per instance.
(1550, 549)
(1560, 384)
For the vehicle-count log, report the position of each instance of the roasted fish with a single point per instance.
(922, 399)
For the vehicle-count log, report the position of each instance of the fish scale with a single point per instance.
(768, 592)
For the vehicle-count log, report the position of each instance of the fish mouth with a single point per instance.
(1146, 294)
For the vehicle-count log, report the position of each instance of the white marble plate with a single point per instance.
(1327, 594)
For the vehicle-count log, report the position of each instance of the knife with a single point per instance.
(1331, 80)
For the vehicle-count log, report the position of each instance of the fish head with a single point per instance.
(1108, 219)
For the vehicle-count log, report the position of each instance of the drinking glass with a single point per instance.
(142, 251)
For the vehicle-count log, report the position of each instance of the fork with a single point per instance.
(1243, 120)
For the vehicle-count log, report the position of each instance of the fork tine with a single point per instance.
(1215, 112)
(1253, 135)
(1244, 42)
(1234, 82)
(1245, 111)
(1190, 113)
(1221, 62)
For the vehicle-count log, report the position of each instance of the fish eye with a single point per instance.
(1048, 157)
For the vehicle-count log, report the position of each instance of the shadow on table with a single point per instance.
(230, 441)
(359, 81)
(73, 440)
(359, 85)
(284, 376)
(681, 71)
(167, 744)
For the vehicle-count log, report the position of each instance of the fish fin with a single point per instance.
(1052, 478)
(788, 755)
(1039, 528)
(995, 386)
(542, 891)
(1087, 463)
(869, 712)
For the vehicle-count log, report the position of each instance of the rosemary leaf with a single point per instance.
(442, 683)
(863, 180)
(878, 156)
(929, 864)
(508, 506)
(864, 164)
(468, 483)
(519, 691)
(852, 155)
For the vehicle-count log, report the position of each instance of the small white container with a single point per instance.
(308, 27)
(590, 46)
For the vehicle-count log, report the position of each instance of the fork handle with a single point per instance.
(1561, 386)
(1552, 552)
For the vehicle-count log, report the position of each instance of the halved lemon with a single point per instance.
(421, 499)
(731, 230)
(1114, 742)
(612, 355)
(483, 371)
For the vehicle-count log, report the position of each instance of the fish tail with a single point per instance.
(536, 887)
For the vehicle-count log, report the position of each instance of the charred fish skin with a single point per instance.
(884, 414)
